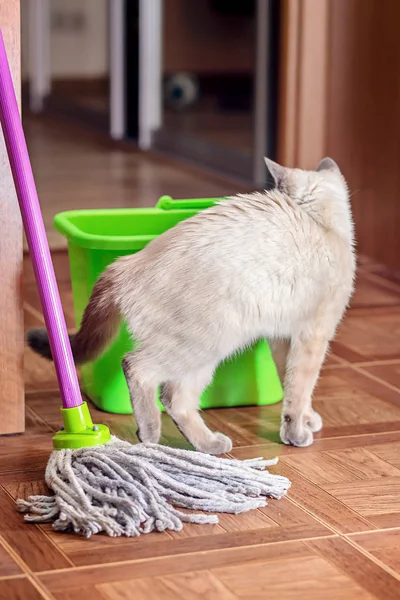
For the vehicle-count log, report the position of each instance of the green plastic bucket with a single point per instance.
(95, 239)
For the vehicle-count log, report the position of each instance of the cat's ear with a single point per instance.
(328, 164)
(276, 171)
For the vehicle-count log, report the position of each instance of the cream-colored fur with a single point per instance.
(277, 265)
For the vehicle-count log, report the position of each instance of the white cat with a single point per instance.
(278, 265)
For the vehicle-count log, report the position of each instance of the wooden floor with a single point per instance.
(337, 534)
(75, 170)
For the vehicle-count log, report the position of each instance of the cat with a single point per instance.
(278, 264)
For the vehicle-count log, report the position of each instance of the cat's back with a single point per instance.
(247, 223)
(261, 232)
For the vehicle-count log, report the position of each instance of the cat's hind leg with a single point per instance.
(180, 399)
(142, 385)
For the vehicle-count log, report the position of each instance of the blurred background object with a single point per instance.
(195, 79)
(220, 83)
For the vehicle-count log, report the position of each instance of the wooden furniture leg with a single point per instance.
(12, 416)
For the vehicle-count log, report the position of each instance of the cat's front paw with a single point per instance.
(295, 433)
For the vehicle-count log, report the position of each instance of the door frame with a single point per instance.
(302, 137)
(117, 10)
(150, 70)
(39, 53)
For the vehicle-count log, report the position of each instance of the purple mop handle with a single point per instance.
(36, 236)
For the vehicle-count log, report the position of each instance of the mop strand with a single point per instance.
(125, 489)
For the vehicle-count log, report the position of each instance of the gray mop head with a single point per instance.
(123, 489)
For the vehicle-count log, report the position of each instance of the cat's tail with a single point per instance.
(100, 324)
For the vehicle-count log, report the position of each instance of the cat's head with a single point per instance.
(322, 193)
(304, 187)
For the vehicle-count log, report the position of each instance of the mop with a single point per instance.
(100, 483)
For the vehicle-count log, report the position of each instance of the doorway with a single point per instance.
(219, 84)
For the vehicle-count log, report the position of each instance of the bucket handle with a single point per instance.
(168, 203)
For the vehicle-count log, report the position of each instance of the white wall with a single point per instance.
(75, 54)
